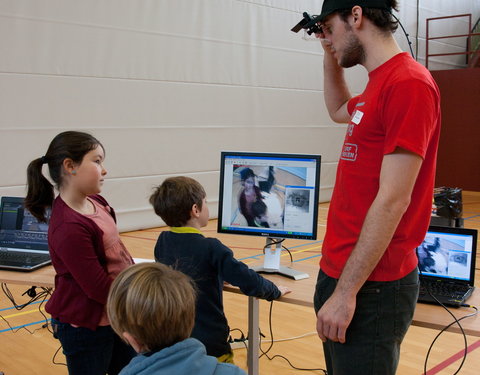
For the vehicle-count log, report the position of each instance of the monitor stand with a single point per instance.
(271, 263)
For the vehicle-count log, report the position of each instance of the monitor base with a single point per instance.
(284, 271)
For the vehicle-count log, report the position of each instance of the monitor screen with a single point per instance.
(448, 253)
(19, 228)
(271, 195)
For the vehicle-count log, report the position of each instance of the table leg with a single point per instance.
(253, 335)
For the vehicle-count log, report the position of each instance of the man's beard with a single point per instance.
(353, 53)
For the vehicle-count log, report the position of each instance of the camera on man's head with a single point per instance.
(308, 23)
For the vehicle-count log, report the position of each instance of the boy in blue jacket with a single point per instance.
(152, 307)
(181, 203)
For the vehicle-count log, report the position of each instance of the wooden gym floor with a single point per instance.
(31, 352)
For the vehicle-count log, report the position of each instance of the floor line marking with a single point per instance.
(10, 308)
(453, 358)
(23, 325)
(138, 238)
(302, 251)
(23, 313)
(310, 257)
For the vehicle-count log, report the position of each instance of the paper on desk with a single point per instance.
(142, 260)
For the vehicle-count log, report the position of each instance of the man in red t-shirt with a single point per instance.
(380, 209)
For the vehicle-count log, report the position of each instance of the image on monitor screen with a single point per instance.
(19, 228)
(446, 255)
(272, 195)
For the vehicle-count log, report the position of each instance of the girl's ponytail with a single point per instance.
(40, 192)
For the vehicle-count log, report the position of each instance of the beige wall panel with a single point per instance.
(156, 152)
(57, 49)
(261, 23)
(37, 101)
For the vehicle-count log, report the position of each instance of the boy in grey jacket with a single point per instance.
(152, 307)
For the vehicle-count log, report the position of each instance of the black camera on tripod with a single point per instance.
(309, 23)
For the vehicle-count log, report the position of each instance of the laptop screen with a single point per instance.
(448, 253)
(19, 228)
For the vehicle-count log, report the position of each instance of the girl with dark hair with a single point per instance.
(86, 251)
(248, 196)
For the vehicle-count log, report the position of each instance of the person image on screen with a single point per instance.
(260, 213)
(86, 250)
(438, 256)
(181, 203)
(248, 196)
(380, 208)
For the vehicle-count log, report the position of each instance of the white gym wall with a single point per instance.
(167, 84)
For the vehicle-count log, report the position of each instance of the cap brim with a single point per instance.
(319, 18)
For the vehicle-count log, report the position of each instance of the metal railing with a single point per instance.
(470, 35)
(475, 42)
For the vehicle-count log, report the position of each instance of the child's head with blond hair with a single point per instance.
(152, 306)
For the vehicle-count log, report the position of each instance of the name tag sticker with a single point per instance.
(357, 117)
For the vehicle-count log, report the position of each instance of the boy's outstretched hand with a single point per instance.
(283, 289)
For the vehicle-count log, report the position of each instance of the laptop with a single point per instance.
(23, 239)
(446, 263)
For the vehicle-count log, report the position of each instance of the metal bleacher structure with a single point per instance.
(472, 35)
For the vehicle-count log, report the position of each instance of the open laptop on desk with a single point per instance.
(446, 262)
(23, 239)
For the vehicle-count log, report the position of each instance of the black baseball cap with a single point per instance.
(331, 6)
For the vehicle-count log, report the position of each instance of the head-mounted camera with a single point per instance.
(309, 23)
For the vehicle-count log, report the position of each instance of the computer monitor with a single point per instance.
(270, 195)
(448, 253)
(19, 228)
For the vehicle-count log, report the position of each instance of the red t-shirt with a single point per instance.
(400, 107)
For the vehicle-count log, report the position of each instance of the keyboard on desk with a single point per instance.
(31, 236)
(20, 258)
(450, 294)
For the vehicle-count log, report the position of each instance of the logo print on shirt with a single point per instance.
(350, 128)
(349, 152)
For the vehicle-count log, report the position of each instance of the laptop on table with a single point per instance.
(446, 263)
(23, 239)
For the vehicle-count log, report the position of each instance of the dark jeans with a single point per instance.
(382, 316)
(90, 352)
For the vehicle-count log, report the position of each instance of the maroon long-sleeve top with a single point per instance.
(78, 256)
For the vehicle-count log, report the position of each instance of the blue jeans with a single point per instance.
(90, 352)
(382, 316)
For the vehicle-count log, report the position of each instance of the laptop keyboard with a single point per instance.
(18, 257)
(31, 236)
(443, 289)
(446, 293)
